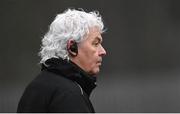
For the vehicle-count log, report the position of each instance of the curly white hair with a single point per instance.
(71, 24)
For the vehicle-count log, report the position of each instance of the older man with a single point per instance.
(71, 55)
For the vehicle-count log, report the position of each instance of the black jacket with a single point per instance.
(60, 87)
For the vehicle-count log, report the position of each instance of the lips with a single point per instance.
(99, 62)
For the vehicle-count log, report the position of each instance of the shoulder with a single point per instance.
(50, 92)
(47, 82)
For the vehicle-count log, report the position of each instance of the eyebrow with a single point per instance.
(99, 39)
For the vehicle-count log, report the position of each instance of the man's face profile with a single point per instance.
(90, 52)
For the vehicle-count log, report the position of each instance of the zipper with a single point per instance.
(80, 88)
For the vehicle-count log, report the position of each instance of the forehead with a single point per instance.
(94, 34)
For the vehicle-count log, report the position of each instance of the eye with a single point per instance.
(96, 44)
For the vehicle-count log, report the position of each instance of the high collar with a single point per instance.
(71, 71)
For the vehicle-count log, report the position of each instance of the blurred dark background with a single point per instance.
(140, 72)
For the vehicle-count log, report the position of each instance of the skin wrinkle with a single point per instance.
(90, 52)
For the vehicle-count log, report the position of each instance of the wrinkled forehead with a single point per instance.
(94, 33)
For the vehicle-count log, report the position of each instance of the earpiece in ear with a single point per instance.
(72, 48)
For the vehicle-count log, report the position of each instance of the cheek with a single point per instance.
(94, 65)
(89, 57)
(93, 58)
(90, 61)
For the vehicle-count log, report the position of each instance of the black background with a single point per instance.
(140, 72)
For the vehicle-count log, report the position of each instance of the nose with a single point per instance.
(102, 51)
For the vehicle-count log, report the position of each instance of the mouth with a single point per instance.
(99, 62)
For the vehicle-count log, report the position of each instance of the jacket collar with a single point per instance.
(71, 71)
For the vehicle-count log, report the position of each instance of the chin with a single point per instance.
(95, 72)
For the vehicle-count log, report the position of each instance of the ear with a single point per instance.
(72, 47)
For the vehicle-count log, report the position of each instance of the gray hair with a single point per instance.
(71, 24)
